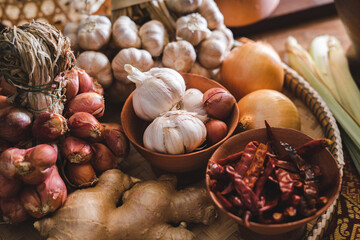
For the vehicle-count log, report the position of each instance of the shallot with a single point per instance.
(12, 210)
(85, 81)
(103, 158)
(49, 126)
(71, 79)
(215, 131)
(116, 139)
(85, 125)
(218, 103)
(76, 150)
(81, 175)
(9, 187)
(8, 161)
(89, 102)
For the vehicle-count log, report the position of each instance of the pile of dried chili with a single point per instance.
(260, 185)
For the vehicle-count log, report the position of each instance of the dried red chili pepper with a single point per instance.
(290, 211)
(230, 158)
(224, 202)
(236, 201)
(215, 170)
(289, 166)
(242, 166)
(228, 189)
(310, 147)
(253, 172)
(271, 139)
(286, 183)
(311, 190)
(269, 168)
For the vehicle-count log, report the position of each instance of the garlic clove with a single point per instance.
(193, 102)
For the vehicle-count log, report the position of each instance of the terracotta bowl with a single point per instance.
(134, 128)
(329, 185)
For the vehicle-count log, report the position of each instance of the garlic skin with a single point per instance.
(192, 28)
(125, 33)
(183, 6)
(210, 11)
(157, 90)
(175, 132)
(94, 32)
(71, 30)
(179, 56)
(97, 65)
(198, 69)
(138, 58)
(153, 37)
(193, 102)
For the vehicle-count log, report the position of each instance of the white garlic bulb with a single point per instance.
(138, 58)
(210, 11)
(97, 65)
(175, 132)
(125, 33)
(224, 34)
(192, 28)
(94, 32)
(153, 37)
(213, 50)
(157, 90)
(198, 69)
(179, 56)
(193, 102)
(183, 6)
(71, 31)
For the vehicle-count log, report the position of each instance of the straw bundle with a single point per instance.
(32, 56)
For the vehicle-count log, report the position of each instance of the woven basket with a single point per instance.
(55, 12)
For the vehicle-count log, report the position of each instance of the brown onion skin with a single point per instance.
(9, 159)
(103, 158)
(215, 131)
(89, 102)
(80, 175)
(15, 124)
(76, 150)
(12, 210)
(85, 125)
(71, 79)
(85, 81)
(37, 164)
(9, 187)
(49, 126)
(218, 103)
(116, 139)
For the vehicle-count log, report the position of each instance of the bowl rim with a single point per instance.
(231, 129)
(239, 220)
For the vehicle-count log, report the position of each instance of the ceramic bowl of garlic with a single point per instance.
(167, 136)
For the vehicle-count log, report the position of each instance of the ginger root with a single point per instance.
(149, 210)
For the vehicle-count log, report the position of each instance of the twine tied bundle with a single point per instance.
(31, 56)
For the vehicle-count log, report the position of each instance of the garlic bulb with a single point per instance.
(119, 92)
(226, 35)
(138, 58)
(125, 33)
(192, 28)
(175, 132)
(94, 32)
(97, 65)
(179, 56)
(153, 37)
(198, 69)
(210, 11)
(183, 6)
(213, 50)
(157, 90)
(193, 102)
(71, 31)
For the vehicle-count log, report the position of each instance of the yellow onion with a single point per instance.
(252, 66)
(270, 105)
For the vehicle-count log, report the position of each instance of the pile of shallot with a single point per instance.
(33, 148)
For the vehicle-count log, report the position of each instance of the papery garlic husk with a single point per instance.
(179, 56)
(125, 33)
(157, 90)
(193, 102)
(183, 6)
(213, 50)
(153, 37)
(138, 58)
(224, 34)
(175, 132)
(210, 11)
(192, 28)
(94, 32)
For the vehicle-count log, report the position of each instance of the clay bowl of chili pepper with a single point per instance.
(134, 128)
(271, 209)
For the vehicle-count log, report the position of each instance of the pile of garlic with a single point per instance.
(200, 44)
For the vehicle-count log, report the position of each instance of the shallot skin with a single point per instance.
(76, 150)
(49, 126)
(218, 103)
(89, 102)
(85, 125)
(116, 139)
(12, 210)
(9, 187)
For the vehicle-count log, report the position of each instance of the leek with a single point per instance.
(301, 61)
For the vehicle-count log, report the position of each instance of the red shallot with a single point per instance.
(8, 161)
(85, 125)
(81, 175)
(89, 102)
(49, 126)
(76, 150)
(12, 210)
(215, 131)
(116, 139)
(71, 82)
(218, 103)
(85, 81)
(103, 159)
(9, 187)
